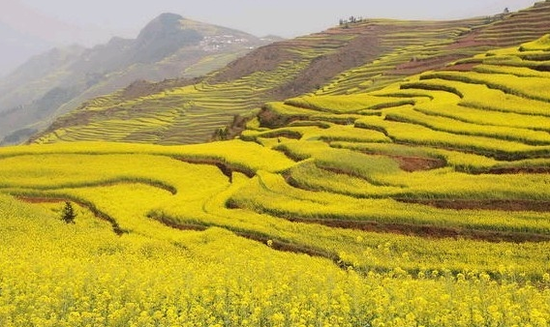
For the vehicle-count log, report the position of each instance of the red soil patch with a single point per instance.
(266, 59)
(460, 67)
(143, 88)
(467, 41)
(418, 66)
(411, 164)
(39, 200)
(360, 50)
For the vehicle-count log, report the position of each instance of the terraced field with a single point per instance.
(410, 139)
(443, 48)
(367, 56)
(423, 203)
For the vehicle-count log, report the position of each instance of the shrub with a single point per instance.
(67, 214)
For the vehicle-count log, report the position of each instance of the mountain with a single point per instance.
(356, 57)
(58, 81)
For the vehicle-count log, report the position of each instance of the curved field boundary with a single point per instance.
(431, 87)
(481, 81)
(518, 170)
(226, 168)
(276, 244)
(478, 232)
(130, 180)
(429, 231)
(481, 145)
(493, 204)
(86, 204)
(453, 126)
(482, 117)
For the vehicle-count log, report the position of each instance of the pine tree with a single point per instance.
(67, 214)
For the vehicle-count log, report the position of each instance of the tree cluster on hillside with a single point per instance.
(497, 17)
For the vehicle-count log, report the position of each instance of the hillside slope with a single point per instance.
(424, 203)
(358, 57)
(60, 80)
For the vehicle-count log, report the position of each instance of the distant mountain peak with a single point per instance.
(167, 16)
(164, 24)
(164, 35)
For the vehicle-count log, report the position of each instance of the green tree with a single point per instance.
(67, 214)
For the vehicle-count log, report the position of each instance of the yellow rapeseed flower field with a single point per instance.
(53, 274)
(424, 203)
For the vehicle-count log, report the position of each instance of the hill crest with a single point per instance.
(356, 58)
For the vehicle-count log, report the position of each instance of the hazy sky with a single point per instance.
(29, 27)
(97, 20)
